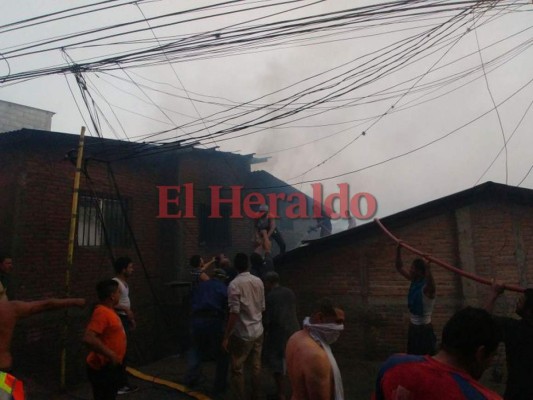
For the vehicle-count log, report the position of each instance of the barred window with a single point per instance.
(97, 213)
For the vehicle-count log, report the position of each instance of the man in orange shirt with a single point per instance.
(106, 338)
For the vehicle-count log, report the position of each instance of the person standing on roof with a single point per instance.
(266, 229)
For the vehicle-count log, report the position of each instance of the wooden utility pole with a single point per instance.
(70, 254)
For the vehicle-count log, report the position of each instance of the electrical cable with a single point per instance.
(494, 104)
(508, 140)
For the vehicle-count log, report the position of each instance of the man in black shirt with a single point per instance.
(280, 322)
(518, 339)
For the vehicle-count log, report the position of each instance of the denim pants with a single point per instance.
(241, 351)
(206, 343)
(105, 381)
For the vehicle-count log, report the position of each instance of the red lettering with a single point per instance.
(317, 200)
(216, 201)
(165, 200)
(252, 199)
(301, 206)
(189, 203)
(273, 203)
(371, 205)
(342, 196)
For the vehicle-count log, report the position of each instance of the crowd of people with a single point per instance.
(241, 315)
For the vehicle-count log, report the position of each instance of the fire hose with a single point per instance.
(447, 266)
(173, 385)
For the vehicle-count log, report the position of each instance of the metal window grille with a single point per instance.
(92, 211)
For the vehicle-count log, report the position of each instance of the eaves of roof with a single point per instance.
(485, 191)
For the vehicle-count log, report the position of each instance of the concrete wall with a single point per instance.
(16, 116)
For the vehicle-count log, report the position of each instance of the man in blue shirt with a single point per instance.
(209, 304)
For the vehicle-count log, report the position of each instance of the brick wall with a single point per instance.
(16, 116)
(357, 271)
(205, 171)
(40, 237)
(34, 223)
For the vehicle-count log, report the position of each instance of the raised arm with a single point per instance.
(399, 263)
(26, 308)
(208, 264)
(203, 268)
(497, 289)
(430, 288)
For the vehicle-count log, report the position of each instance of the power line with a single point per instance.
(503, 147)
(494, 104)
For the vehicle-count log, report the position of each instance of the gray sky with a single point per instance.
(437, 107)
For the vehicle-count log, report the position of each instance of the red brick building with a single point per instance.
(486, 230)
(36, 182)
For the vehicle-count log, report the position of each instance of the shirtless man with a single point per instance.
(12, 311)
(266, 230)
(312, 369)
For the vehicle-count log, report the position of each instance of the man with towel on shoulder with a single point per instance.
(311, 366)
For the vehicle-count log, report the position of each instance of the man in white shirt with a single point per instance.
(244, 332)
(124, 269)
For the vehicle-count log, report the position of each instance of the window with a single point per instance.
(92, 211)
(214, 232)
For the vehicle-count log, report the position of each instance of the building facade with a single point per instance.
(120, 213)
(485, 230)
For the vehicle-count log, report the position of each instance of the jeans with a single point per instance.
(276, 235)
(206, 337)
(105, 381)
(240, 351)
(127, 329)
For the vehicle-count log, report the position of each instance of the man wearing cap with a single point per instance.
(209, 303)
(266, 229)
